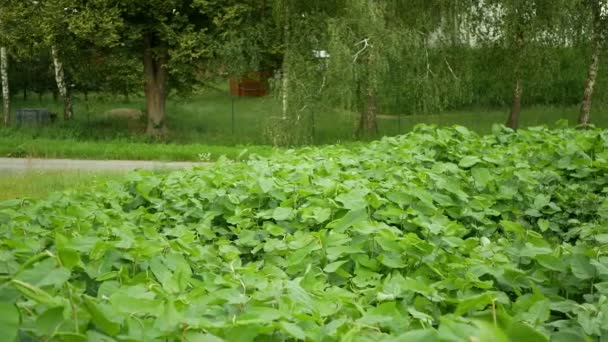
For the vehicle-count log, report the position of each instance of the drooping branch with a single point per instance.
(366, 45)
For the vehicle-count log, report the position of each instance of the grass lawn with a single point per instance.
(38, 184)
(213, 123)
(22, 145)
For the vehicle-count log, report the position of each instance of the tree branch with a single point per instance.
(366, 44)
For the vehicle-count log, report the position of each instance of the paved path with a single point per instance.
(18, 165)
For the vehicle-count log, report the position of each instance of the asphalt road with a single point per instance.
(22, 165)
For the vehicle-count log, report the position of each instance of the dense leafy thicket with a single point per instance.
(437, 235)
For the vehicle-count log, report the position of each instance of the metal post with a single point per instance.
(399, 119)
(312, 112)
(399, 111)
(232, 115)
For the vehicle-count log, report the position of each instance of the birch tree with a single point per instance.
(54, 16)
(598, 10)
(6, 99)
(43, 25)
(68, 109)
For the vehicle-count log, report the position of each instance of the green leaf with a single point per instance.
(426, 335)
(601, 238)
(201, 337)
(482, 176)
(102, 317)
(334, 266)
(513, 227)
(469, 161)
(581, 267)
(170, 318)
(293, 330)
(45, 273)
(521, 332)
(488, 332)
(351, 218)
(552, 262)
(282, 214)
(259, 314)
(36, 294)
(49, 322)
(476, 302)
(9, 321)
(354, 200)
(543, 225)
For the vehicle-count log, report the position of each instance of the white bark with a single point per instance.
(285, 74)
(285, 87)
(61, 86)
(6, 99)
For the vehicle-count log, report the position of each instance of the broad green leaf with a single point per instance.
(201, 337)
(354, 200)
(522, 332)
(581, 267)
(49, 322)
(45, 273)
(482, 176)
(334, 266)
(487, 332)
(601, 238)
(36, 294)
(469, 161)
(169, 320)
(293, 330)
(477, 302)
(9, 321)
(543, 225)
(351, 218)
(513, 227)
(259, 314)
(426, 335)
(282, 214)
(102, 317)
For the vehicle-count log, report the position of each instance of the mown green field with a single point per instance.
(437, 235)
(40, 184)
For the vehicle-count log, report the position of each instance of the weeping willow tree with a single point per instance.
(434, 72)
(526, 33)
(381, 52)
(363, 42)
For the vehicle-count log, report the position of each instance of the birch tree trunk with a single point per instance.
(68, 112)
(6, 99)
(598, 40)
(583, 118)
(285, 68)
(156, 86)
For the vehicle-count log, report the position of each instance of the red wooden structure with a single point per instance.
(254, 84)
